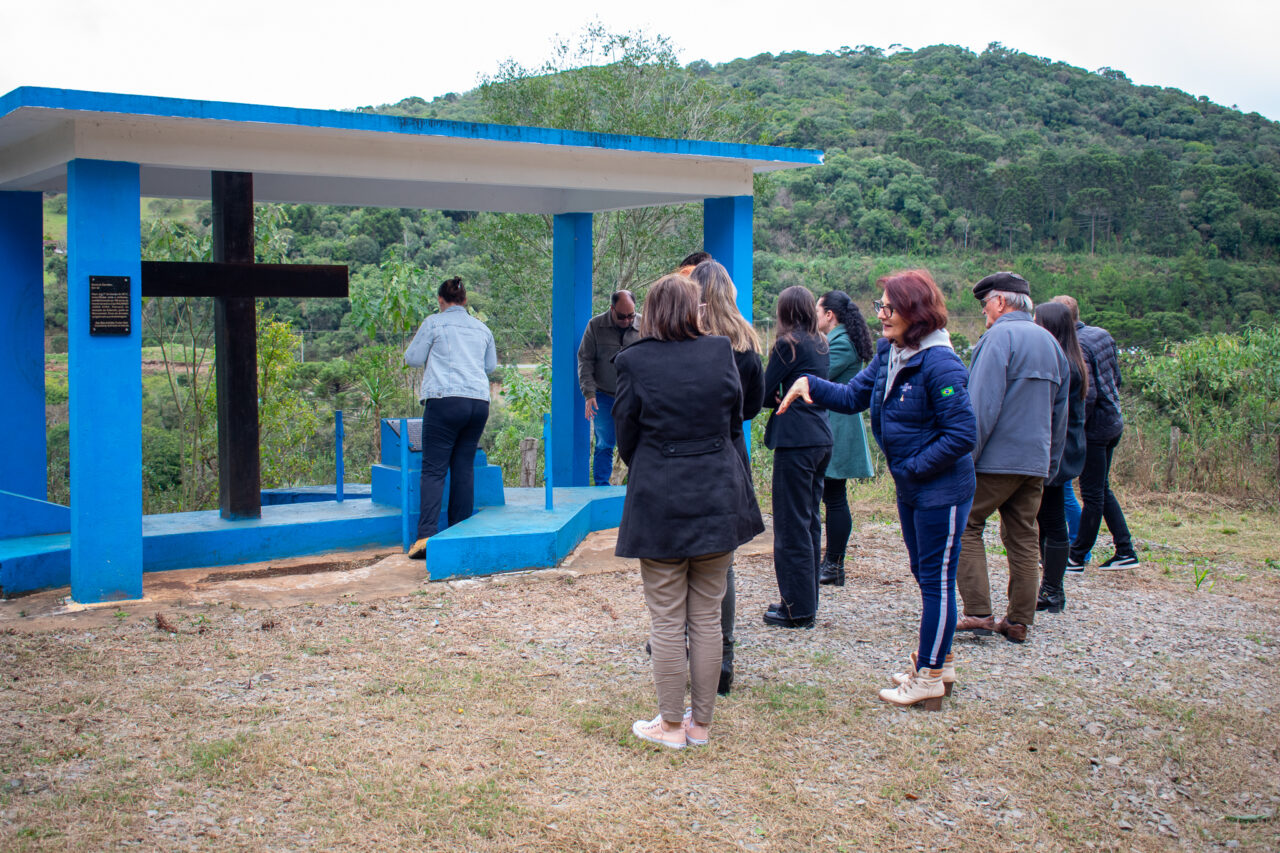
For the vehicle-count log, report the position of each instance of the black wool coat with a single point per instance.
(678, 416)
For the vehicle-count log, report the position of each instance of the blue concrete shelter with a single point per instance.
(107, 151)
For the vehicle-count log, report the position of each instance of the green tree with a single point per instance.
(603, 82)
(286, 419)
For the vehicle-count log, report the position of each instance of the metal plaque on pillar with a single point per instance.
(109, 312)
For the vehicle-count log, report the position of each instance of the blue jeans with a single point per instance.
(932, 536)
(606, 439)
(1072, 507)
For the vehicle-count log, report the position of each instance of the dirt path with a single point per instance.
(372, 711)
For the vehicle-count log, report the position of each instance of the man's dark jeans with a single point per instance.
(1099, 503)
(451, 429)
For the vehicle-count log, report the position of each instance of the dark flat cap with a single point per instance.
(1009, 282)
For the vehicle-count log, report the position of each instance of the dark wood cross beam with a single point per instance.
(234, 281)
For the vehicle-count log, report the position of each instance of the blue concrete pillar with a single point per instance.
(726, 234)
(105, 385)
(23, 462)
(570, 312)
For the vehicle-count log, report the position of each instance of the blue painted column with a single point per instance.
(105, 385)
(24, 461)
(570, 313)
(726, 234)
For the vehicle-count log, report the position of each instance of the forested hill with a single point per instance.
(1003, 149)
(942, 147)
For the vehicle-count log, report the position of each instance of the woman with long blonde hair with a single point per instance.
(719, 315)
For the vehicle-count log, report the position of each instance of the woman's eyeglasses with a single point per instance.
(882, 306)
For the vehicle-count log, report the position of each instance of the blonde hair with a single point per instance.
(1072, 306)
(720, 314)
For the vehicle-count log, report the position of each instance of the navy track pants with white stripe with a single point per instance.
(932, 536)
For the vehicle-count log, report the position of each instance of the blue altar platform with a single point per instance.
(519, 533)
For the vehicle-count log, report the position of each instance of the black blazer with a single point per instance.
(799, 426)
(678, 414)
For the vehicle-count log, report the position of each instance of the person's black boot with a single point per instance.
(726, 680)
(1052, 597)
(831, 573)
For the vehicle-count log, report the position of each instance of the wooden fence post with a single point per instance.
(528, 462)
(1171, 466)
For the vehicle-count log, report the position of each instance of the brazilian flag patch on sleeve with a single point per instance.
(948, 391)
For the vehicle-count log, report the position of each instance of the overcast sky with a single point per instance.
(337, 55)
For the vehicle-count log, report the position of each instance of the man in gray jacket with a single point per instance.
(1018, 383)
(606, 334)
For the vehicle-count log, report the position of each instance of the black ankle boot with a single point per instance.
(1051, 599)
(726, 681)
(831, 573)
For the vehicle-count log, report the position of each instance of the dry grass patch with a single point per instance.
(491, 718)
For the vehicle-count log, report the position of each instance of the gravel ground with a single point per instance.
(495, 715)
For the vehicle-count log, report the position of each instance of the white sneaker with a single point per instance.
(653, 732)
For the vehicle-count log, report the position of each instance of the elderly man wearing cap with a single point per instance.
(1018, 384)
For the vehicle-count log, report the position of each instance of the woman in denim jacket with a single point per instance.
(457, 353)
(916, 388)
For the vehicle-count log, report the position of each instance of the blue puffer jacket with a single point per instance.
(926, 427)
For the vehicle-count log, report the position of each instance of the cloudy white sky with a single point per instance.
(328, 54)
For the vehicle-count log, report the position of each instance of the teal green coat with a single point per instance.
(850, 456)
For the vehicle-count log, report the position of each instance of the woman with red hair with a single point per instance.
(916, 389)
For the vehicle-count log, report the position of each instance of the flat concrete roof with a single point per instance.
(350, 158)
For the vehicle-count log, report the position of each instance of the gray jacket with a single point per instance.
(1019, 384)
(600, 343)
(456, 353)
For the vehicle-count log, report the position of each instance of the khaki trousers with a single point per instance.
(1017, 497)
(680, 594)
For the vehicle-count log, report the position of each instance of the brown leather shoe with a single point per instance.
(1014, 632)
(980, 625)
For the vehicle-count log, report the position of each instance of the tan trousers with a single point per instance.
(1017, 497)
(684, 593)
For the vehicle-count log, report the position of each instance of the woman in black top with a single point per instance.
(1055, 544)
(801, 441)
(719, 315)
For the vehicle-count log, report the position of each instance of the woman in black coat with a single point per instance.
(800, 439)
(689, 502)
(719, 315)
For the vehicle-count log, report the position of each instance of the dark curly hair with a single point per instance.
(846, 311)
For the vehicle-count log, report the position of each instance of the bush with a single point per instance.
(517, 415)
(1222, 393)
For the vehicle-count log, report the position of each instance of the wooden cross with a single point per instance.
(234, 281)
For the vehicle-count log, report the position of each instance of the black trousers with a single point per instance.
(451, 430)
(797, 526)
(835, 497)
(1098, 503)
